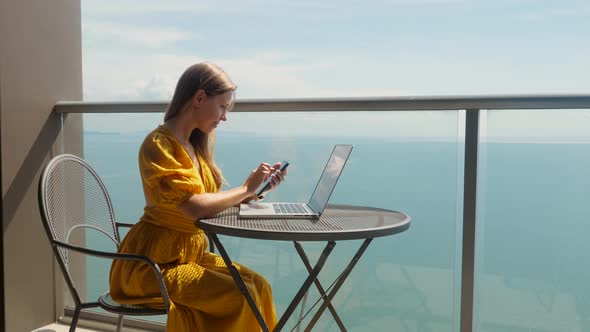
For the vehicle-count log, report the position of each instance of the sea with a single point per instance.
(532, 253)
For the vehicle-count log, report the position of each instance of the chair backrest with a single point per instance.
(72, 198)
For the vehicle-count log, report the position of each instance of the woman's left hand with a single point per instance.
(276, 176)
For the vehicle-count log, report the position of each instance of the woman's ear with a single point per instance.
(199, 97)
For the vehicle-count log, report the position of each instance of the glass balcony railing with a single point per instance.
(411, 155)
(533, 186)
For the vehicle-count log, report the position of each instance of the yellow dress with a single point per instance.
(203, 294)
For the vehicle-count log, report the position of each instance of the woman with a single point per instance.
(181, 184)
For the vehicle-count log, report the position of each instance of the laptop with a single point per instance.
(318, 201)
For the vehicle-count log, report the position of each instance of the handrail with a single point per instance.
(414, 103)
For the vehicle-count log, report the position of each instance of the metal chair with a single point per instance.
(73, 200)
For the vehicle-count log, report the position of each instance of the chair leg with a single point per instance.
(120, 323)
(75, 319)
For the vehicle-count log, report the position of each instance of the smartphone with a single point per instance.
(266, 184)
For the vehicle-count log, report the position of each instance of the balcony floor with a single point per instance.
(56, 327)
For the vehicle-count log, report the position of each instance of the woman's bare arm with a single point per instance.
(204, 205)
(208, 204)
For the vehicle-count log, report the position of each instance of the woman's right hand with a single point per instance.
(257, 176)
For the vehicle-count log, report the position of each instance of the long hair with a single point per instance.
(214, 81)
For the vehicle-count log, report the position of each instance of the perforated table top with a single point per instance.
(338, 222)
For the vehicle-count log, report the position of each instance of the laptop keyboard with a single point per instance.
(288, 208)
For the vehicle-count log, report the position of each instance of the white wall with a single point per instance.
(40, 64)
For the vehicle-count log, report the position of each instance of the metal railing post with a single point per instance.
(469, 215)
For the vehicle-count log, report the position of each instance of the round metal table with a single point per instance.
(337, 222)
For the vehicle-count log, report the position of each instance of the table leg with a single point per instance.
(318, 285)
(306, 284)
(240, 282)
(211, 244)
(338, 284)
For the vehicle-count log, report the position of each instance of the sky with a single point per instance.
(136, 50)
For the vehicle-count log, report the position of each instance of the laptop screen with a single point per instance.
(329, 177)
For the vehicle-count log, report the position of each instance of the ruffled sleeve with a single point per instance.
(168, 174)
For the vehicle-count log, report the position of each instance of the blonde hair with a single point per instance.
(214, 81)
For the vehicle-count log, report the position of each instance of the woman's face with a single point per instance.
(212, 110)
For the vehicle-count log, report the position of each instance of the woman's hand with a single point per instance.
(252, 198)
(276, 176)
(257, 176)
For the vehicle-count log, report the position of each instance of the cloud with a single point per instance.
(128, 8)
(267, 74)
(270, 8)
(557, 13)
(142, 7)
(123, 77)
(132, 35)
(156, 88)
(412, 2)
